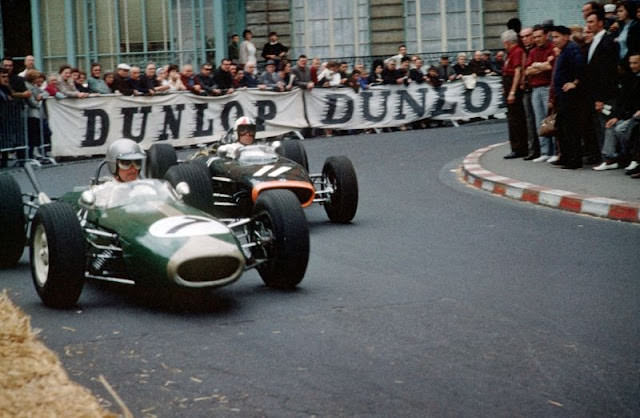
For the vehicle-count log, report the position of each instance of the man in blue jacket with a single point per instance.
(567, 78)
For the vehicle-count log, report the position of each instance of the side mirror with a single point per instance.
(183, 188)
(87, 198)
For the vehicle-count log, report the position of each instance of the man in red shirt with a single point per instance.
(511, 77)
(538, 71)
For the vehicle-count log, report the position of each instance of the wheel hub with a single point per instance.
(41, 251)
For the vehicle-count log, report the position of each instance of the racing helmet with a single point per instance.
(124, 150)
(244, 124)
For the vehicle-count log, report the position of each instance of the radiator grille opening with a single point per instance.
(208, 269)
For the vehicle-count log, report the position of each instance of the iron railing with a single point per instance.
(13, 126)
(15, 129)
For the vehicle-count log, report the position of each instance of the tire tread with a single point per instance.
(67, 255)
(12, 222)
(290, 227)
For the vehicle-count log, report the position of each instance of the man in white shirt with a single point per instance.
(402, 52)
(29, 64)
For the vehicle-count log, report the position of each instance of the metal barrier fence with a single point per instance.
(13, 127)
(16, 128)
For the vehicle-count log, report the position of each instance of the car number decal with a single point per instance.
(262, 171)
(186, 226)
(277, 172)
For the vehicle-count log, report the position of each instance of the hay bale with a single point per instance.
(32, 380)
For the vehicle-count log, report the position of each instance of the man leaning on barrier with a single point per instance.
(121, 80)
(206, 80)
(302, 74)
(66, 85)
(222, 77)
(95, 81)
(250, 80)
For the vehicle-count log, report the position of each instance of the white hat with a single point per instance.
(609, 8)
(123, 67)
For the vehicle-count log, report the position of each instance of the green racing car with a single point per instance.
(143, 233)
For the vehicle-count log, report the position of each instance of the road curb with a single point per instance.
(474, 174)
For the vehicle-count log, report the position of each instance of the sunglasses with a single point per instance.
(126, 164)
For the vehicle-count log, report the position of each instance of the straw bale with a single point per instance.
(32, 380)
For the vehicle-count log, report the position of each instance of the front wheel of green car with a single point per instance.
(57, 252)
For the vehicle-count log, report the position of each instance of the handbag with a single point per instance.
(548, 125)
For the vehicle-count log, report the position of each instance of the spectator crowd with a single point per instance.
(587, 77)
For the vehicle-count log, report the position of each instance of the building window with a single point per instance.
(330, 28)
(132, 31)
(443, 25)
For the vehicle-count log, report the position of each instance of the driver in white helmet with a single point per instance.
(245, 129)
(124, 158)
(245, 134)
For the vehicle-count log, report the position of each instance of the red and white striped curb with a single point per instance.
(475, 175)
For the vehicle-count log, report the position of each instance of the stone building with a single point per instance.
(136, 31)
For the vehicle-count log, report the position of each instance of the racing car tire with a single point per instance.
(12, 222)
(58, 254)
(343, 202)
(160, 158)
(280, 212)
(196, 175)
(294, 150)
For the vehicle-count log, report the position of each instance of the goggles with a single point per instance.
(244, 129)
(126, 164)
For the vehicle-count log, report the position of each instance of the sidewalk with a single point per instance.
(609, 194)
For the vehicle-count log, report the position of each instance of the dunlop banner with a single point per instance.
(86, 126)
(388, 106)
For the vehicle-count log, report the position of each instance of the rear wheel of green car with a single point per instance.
(159, 158)
(12, 222)
(196, 175)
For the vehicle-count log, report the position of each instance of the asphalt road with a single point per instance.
(439, 300)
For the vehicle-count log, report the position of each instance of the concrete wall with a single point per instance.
(496, 15)
(387, 26)
(264, 16)
(566, 12)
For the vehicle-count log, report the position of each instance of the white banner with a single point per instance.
(388, 106)
(88, 126)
